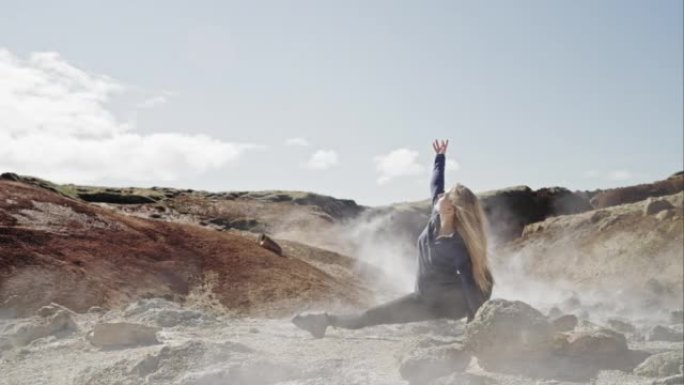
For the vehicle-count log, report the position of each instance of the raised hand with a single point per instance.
(440, 148)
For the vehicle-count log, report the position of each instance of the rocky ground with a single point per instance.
(155, 341)
(167, 286)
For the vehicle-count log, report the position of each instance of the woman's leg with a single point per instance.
(450, 303)
(409, 308)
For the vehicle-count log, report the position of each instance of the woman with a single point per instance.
(453, 276)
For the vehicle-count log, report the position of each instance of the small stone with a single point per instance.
(598, 215)
(664, 215)
(46, 311)
(621, 326)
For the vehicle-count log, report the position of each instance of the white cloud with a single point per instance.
(322, 159)
(297, 142)
(451, 165)
(153, 102)
(620, 175)
(54, 123)
(591, 174)
(400, 162)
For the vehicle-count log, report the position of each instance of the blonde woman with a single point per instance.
(453, 275)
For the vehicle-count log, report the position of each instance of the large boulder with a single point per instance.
(583, 352)
(661, 364)
(508, 335)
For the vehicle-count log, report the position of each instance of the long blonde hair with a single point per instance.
(470, 222)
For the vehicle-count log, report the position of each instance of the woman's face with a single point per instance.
(444, 206)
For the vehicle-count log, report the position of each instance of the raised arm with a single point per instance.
(437, 180)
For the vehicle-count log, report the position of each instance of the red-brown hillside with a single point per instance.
(53, 248)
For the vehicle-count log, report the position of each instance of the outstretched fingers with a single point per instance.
(440, 147)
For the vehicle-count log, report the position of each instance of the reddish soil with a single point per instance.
(57, 249)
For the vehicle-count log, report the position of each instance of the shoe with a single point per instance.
(313, 323)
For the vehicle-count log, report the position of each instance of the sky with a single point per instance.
(342, 98)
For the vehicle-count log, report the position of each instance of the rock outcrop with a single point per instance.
(59, 249)
(629, 194)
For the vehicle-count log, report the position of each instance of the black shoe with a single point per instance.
(313, 323)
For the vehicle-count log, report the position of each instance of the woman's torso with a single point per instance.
(440, 260)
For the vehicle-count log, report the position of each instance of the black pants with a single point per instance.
(409, 308)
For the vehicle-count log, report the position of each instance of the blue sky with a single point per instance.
(342, 98)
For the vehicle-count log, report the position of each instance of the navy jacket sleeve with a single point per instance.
(437, 181)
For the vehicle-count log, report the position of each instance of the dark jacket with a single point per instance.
(444, 263)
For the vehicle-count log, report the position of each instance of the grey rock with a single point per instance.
(661, 364)
(653, 206)
(564, 323)
(588, 343)
(122, 334)
(621, 326)
(59, 323)
(662, 333)
(506, 332)
(665, 215)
